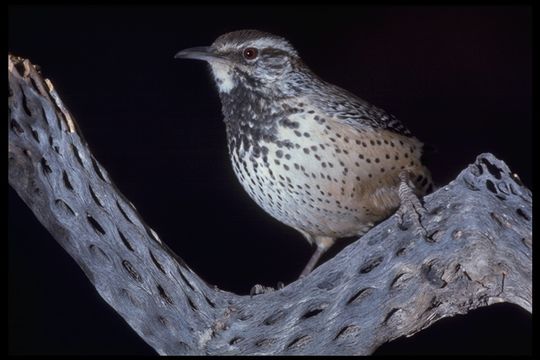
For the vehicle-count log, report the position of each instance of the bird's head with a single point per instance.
(256, 60)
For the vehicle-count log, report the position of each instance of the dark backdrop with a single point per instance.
(458, 77)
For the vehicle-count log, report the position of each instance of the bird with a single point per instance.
(313, 155)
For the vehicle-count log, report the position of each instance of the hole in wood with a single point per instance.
(76, 154)
(131, 271)
(67, 183)
(264, 342)
(34, 84)
(16, 127)
(272, 319)
(299, 342)
(360, 295)
(347, 331)
(97, 251)
(164, 295)
(35, 135)
(62, 204)
(493, 170)
(44, 115)
(95, 225)
(211, 303)
(523, 214)
(490, 186)
(479, 170)
(235, 340)
(45, 166)
(243, 316)
(157, 263)
(433, 274)
(162, 320)
(370, 265)
(19, 66)
(94, 196)
(400, 280)
(191, 304)
(401, 251)
(97, 169)
(123, 212)
(184, 279)
(390, 314)
(125, 240)
(314, 312)
(25, 104)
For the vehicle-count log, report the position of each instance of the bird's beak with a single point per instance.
(199, 53)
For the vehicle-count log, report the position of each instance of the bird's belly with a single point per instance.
(304, 202)
(309, 189)
(325, 179)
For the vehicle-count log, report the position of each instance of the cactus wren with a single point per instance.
(311, 154)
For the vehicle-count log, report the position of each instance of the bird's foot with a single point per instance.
(261, 289)
(410, 205)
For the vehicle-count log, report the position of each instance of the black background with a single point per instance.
(458, 77)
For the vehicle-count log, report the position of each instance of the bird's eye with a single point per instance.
(250, 53)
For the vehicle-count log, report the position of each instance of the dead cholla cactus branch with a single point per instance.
(387, 284)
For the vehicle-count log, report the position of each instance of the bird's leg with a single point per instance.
(409, 205)
(313, 261)
(323, 243)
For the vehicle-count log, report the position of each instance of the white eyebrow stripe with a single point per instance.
(272, 43)
(261, 44)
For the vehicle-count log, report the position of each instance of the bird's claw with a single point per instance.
(261, 289)
(410, 205)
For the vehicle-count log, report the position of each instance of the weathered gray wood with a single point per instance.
(385, 285)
